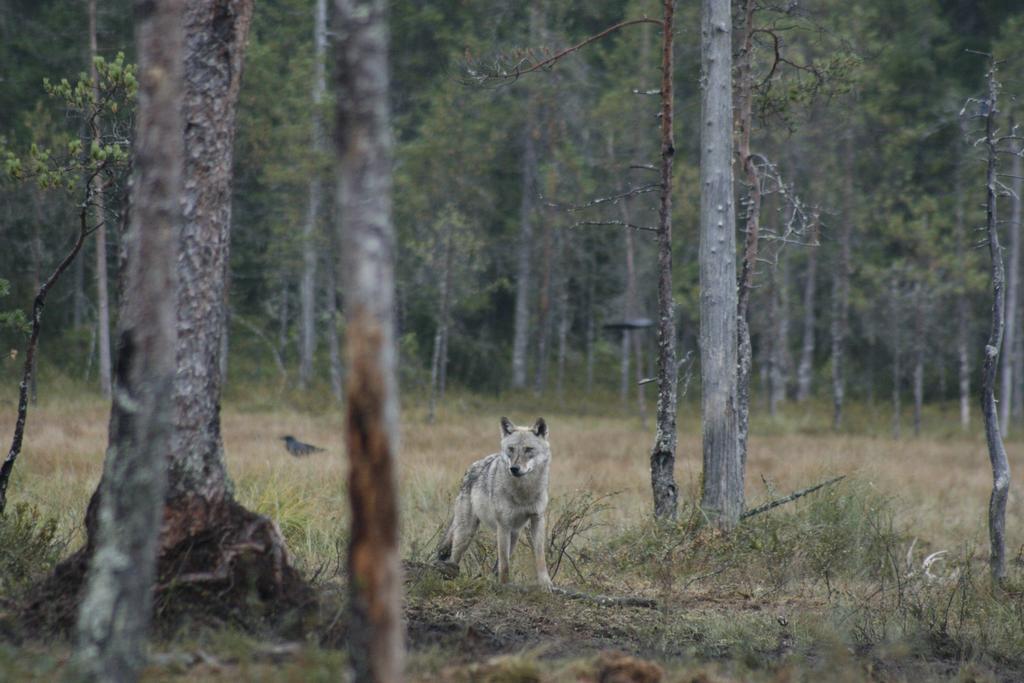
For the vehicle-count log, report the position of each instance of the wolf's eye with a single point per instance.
(529, 452)
(510, 451)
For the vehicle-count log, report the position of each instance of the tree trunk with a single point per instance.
(113, 619)
(780, 342)
(441, 335)
(1016, 226)
(805, 371)
(744, 123)
(896, 330)
(364, 201)
(920, 318)
(543, 314)
(591, 325)
(333, 343)
(996, 451)
(524, 248)
(841, 294)
(722, 498)
(283, 320)
(1006, 382)
(307, 348)
(962, 302)
(102, 297)
(663, 453)
(564, 317)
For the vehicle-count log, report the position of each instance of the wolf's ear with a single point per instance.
(506, 427)
(540, 428)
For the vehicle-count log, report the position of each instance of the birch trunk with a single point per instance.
(805, 371)
(368, 247)
(113, 619)
(722, 498)
(1006, 382)
(309, 229)
(333, 343)
(663, 453)
(996, 450)
(102, 295)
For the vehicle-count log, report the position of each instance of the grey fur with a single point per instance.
(505, 490)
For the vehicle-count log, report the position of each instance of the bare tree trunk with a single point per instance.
(102, 297)
(543, 315)
(841, 294)
(564, 317)
(663, 453)
(996, 451)
(441, 335)
(283, 321)
(1006, 381)
(591, 325)
(629, 304)
(896, 330)
(722, 498)
(743, 124)
(364, 201)
(524, 248)
(78, 298)
(780, 343)
(307, 347)
(333, 345)
(805, 371)
(920, 317)
(1017, 350)
(113, 619)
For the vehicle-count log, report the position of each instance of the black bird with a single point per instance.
(297, 448)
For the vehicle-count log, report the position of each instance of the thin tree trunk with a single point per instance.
(364, 201)
(962, 303)
(996, 451)
(333, 343)
(663, 453)
(744, 124)
(441, 335)
(524, 248)
(283, 321)
(896, 330)
(780, 343)
(113, 619)
(805, 371)
(591, 325)
(920, 316)
(102, 297)
(841, 293)
(722, 498)
(307, 348)
(564, 317)
(1016, 226)
(543, 314)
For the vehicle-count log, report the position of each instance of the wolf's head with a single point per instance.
(524, 449)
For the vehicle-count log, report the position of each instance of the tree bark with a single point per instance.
(333, 343)
(1006, 381)
(367, 241)
(543, 314)
(1017, 350)
(962, 302)
(744, 123)
(996, 450)
(663, 453)
(564, 316)
(920, 319)
(722, 498)
(841, 293)
(307, 348)
(102, 296)
(805, 371)
(441, 334)
(780, 331)
(113, 619)
(896, 330)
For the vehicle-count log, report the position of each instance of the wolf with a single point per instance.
(504, 491)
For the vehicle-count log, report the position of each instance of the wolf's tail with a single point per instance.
(444, 548)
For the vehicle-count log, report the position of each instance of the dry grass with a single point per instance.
(940, 483)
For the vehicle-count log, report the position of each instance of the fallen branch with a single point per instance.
(791, 497)
(607, 600)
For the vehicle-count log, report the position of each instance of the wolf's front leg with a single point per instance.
(537, 541)
(504, 551)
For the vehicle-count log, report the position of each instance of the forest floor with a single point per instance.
(830, 587)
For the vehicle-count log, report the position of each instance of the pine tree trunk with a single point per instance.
(722, 498)
(805, 371)
(920, 316)
(307, 348)
(780, 343)
(1016, 226)
(441, 335)
(375, 631)
(102, 296)
(524, 247)
(543, 315)
(591, 326)
(663, 453)
(564, 317)
(896, 330)
(333, 343)
(113, 619)
(996, 450)
(962, 303)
